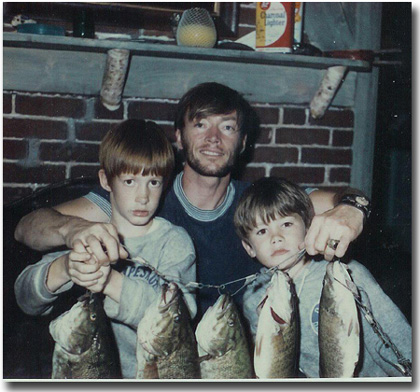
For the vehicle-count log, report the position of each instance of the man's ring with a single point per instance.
(333, 244)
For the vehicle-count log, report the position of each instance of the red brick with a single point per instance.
(50, 106)
(82, 152)
(15, 149)
(247, 16)
(335, 118)
(267, 115)
(327, 156)
(64, 152)
(11, 194)
(342, 138)
(7, 103)
(43, 174)
(300, 175)
(294, 116)
(152, 111)
(92, 131)
(275, 155)
(265, 136)
(42, 129)
(302, 136)
(340, 175)
(84, 171)
(252, 174)
(103, 113)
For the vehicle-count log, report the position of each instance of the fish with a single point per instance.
(339, 326)
(85, 346)
(166, 345)
(222, 343)
(276, 350)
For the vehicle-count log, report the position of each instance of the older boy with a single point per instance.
(271, 219)
(136, 163)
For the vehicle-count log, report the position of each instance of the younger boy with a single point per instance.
(136, 163)
(271, 219)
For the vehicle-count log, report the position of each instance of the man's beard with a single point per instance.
(203, 170)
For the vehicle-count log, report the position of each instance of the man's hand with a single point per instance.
(100, 239)
(343, 223)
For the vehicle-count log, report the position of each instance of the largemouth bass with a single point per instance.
(84, 343)
(276, 343)
(222, 345)
(339, 328)
(166, 345)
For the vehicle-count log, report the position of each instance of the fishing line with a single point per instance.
(220, 287)
(404, 365)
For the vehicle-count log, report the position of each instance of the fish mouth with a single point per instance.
(169, 295)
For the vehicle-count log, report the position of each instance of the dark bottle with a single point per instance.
(83, 24)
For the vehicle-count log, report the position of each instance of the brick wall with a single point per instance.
(49, 138)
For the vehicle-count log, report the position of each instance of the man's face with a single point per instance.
(211, 144)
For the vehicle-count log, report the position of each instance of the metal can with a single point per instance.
(275, 27)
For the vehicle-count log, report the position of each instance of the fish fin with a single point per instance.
(354, 324)
(261, 305)
(258, 345)
(150, 370)
(276, 317)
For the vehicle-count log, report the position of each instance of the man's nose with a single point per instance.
(213, 134)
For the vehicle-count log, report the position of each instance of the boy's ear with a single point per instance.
(104, 180)
(249, 249)
(178, 140)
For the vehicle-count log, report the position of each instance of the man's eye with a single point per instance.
(129, 182)
(287, 224)
(199, 125)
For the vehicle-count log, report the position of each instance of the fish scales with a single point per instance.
(84, 343)
(339, 328)
(276, 344)
(166, 345)
(222, 344)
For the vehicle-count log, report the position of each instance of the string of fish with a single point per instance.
(221, 287)
(404, 365)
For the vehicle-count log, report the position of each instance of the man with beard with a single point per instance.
(212, 125)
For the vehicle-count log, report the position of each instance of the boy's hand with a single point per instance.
(343, 223)
(84, 270)
(101, 238)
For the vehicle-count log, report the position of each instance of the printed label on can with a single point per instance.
(274, 26)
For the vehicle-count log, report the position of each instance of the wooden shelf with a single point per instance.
(75, 65)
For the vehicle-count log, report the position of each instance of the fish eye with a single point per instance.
(93, 316)
(177, 318)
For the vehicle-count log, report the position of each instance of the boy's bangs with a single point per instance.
(152, 165)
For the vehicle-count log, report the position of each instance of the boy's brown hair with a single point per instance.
(136, 146)
(267, 198)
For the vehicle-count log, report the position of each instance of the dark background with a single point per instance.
(385, 246)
